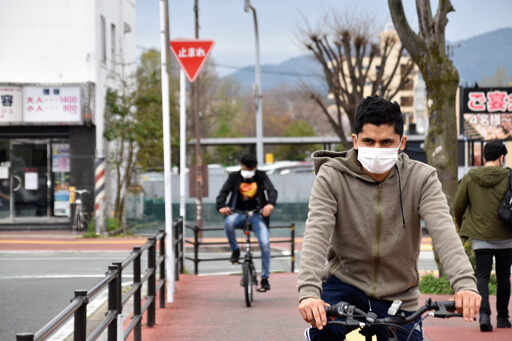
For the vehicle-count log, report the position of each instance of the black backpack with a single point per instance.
(505, 210)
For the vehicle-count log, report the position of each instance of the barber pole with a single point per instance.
(99, 194)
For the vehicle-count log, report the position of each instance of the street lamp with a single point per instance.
(257, 88)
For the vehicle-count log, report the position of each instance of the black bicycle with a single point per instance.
(354, 318)
(249, 278)
(82, 215)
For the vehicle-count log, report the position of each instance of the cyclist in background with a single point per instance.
(363, 233)
(246, 190)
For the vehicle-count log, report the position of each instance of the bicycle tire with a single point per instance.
(83, 225)
(247, 280)
(76, 222)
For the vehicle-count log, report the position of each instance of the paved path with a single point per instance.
(213, 307)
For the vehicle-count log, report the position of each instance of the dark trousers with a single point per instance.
(483, 259)
(334, 291)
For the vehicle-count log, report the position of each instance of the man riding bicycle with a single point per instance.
(363, 232)
(246, 190)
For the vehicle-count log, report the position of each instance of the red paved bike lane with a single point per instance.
(213, 308)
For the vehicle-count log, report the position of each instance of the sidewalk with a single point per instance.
(213, 307)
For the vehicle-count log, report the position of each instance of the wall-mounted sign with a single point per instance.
(51, 104)
(10, 103)
(486, 113)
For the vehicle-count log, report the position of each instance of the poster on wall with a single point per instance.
(60, 157)
(60, 169)
(51, 104)
(486, 113)
(10, 103)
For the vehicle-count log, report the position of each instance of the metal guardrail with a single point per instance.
(113, 280)
(197, 243)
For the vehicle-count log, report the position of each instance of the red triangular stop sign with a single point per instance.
(191, 54)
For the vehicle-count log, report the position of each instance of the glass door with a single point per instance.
(29, 178)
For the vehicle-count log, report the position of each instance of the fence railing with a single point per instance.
(116, 301)
(198, 242)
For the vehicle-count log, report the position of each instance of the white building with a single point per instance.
(55, 62)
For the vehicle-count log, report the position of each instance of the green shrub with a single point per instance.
(436, 286)
(112, 225)
(433, 285)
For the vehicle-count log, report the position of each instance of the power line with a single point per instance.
(245, 68)
(280, 73)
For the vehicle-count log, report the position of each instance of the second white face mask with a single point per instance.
(248, 174)
(377, 160)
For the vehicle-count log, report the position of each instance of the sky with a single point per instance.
(232, 29)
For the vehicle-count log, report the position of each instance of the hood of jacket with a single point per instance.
(488, 176)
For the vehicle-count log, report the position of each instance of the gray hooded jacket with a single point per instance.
(355, 232)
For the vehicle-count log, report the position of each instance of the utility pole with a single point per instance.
(257, 87)
(199, 172)
(166, 122)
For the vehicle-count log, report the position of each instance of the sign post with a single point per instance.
(191, 55)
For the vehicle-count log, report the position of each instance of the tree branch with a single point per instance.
(412, 42)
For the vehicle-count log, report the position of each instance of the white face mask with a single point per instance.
(248, 174)
(377, 160)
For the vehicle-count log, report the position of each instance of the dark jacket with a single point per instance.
(477, 201)
(266, 192)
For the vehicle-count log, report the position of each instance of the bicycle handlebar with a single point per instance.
(354, 316)
(248, 212)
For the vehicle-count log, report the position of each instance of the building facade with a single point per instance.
(57, 60)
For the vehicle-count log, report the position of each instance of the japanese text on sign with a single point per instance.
(191, 52)
(51, 104)
(492, 101)
(10, 104)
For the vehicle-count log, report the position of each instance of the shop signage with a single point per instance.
(10, 103)
(486, 113)
(51, 104)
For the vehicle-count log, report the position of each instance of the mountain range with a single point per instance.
(475, 58)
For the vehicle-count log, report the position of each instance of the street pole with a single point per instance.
(164, 46)
(199, 173)
(257, 90)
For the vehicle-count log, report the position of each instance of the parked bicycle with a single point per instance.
(354, 318)
(82, 215)
(249, 278)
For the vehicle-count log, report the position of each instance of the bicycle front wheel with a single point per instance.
(247, 279)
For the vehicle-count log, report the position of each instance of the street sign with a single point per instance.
(191, 54)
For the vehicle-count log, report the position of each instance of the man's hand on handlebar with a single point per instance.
(467, 303)
(225, 211)
(267, 210)
(313, 312)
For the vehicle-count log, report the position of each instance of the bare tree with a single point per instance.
(427, 49)
(354, 64)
